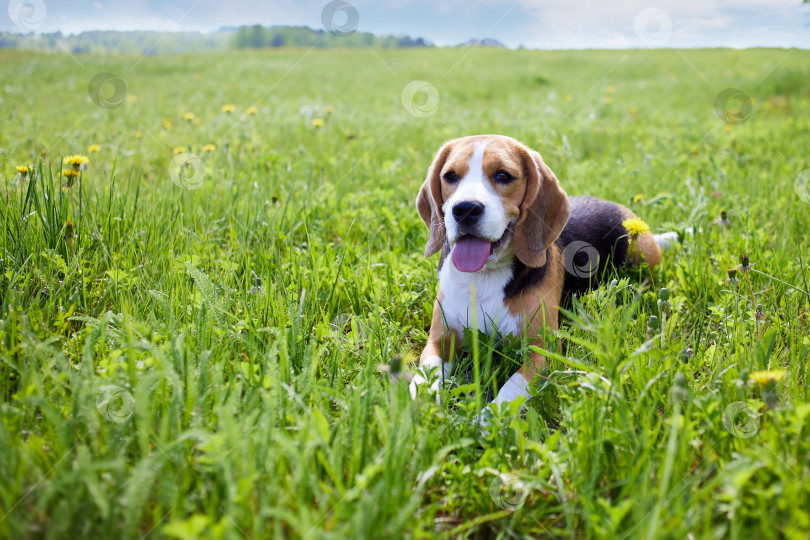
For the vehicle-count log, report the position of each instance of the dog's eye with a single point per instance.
(503, 177)
(450, 177)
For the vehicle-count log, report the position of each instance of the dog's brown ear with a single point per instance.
(543, 213)
(429, 203)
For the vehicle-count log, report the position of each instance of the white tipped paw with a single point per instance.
(516, 388)
(433, 370)
(419, 380)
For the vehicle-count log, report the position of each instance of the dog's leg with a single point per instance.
(516, 386)
(438, 353)
(538, 321)
(645, 246)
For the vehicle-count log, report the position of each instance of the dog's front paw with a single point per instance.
(516, 389)
(432, 370)
(419, 380)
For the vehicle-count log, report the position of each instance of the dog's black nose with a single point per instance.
(468, 212)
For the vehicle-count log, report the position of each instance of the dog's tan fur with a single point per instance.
(538, 306)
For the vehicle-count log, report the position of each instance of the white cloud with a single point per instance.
(578, 23)
(164, 25)
(618, 40)
(700, 23)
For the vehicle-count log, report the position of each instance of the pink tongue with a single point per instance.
(470, 253)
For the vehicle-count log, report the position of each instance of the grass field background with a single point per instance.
(203, 363)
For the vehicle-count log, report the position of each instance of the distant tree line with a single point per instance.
(114, 42)
(259, 37)
(153, 43)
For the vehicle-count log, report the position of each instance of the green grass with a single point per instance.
(204, 363)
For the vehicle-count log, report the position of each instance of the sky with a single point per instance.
(544, 24)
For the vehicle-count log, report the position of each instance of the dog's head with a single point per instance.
(487, 192)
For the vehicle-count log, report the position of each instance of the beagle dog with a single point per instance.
(509, 235)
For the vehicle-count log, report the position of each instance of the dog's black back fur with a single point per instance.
(598, 224)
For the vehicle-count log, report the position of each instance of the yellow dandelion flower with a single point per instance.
(44, 151)
(317, 122)
(764, 377)
(94, 148)
(167, 124)
(77, 160)
(568, 97)
(635, 227)
(209, 148)
(132, 98)
(23, 169)
(330, 110)
(637, 198)
(228, 108)
(252, 110)
(728, 127)
(197, 122)
(610, 90)
(633, 110)
(138, 134)
(608, 101)
(188, 116)
(70, 173)
(179, 149)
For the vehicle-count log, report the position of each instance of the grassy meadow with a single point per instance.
(196, 353)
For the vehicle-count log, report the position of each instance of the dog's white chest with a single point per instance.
(457, 303)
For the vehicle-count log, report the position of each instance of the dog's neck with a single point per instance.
(459, 291)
